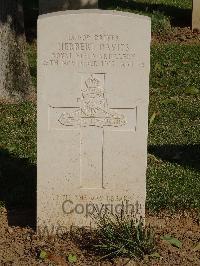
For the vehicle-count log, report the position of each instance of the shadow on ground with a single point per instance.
(186, 155)
(18, 189)
(178, 17)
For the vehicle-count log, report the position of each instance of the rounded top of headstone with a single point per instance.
(95, 11)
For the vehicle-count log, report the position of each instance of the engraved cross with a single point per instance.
(92, 116)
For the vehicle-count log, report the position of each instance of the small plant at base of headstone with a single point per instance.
(123, 236)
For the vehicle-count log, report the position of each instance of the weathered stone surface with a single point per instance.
(48, 6)
(93, 90)
(196, 15)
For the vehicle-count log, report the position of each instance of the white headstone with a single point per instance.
(196, 15)
(93, 92)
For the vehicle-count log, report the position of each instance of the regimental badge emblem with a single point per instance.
(94, 109)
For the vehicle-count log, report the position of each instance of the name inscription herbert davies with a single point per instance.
(92, 50)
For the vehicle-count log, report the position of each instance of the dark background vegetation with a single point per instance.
(174, 12)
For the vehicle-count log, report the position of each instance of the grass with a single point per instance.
(18, 130)
(165, 14)
(174, 68)
(174, 160)
(32, 55)
(174, 152)
(121, 236)
(184, 4)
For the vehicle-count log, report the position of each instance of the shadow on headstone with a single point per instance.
(186, 155)
(18, 189)
(179, 17)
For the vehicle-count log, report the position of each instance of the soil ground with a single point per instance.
(178, 35)
(21, 245)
